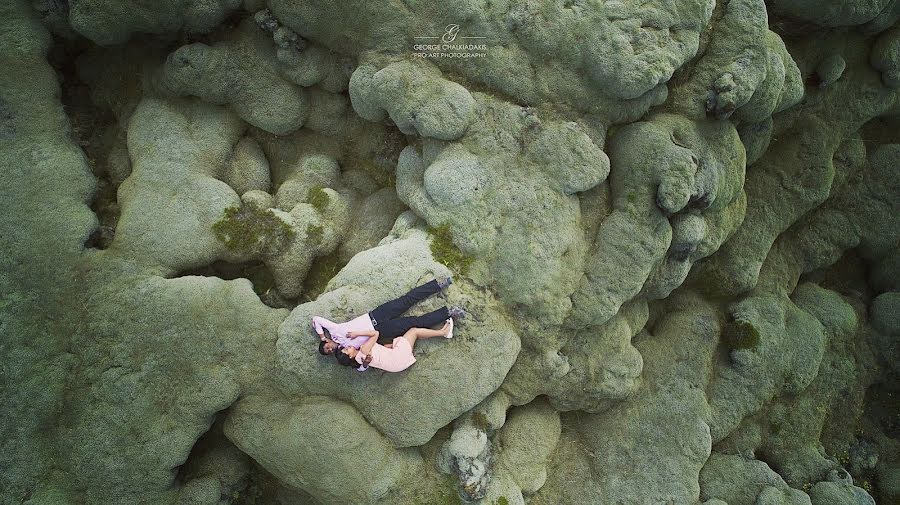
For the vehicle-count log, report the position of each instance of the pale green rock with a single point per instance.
(110, 22)
(814, 136)
(601, 364)
(631, 58)
(392, 402)
(240, 71)
(38, 158)
(739, 481)
(886, 57)
(372, 219)
(248, 169)
(745, 71)
(258, 199)
(301, 442)
(764, 368)
(315, 65)
(481, 197)
(468, 455)
(626, 48)
(317, 232)
(794, 447)
(830, 12)
(311, 173)
(830, 69)
(675, 166)
(416, 98)
(886, 312)
(168, 167)
(526, 442)
(675, 227)
(839, 489)
(203, 491)
(329, 113)
(608, 456)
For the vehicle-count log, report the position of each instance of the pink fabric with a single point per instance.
(339, 331)
(397, 359)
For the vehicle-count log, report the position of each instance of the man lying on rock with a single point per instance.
(394, 357)
(384, 323)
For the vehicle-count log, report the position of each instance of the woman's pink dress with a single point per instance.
(396, 359)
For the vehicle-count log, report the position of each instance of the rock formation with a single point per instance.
(675, 227)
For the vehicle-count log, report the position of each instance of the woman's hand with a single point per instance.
(350, 334)
(367, 359)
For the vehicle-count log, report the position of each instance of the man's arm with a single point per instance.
(321, 322)
(366, 333)
(359, 338)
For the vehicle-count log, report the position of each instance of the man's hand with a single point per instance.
(317, 331)
(367, 359)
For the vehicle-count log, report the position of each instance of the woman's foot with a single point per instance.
(444, 282)
(448, 328)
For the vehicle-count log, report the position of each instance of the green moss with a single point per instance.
(444, 495)
(844, 458)
(775, 427)
(318, 198)
(714, 282)
(315, 233)
(480, 421)
(445, 251)
(501, 501)
(740, 334)
(632, 197)
(322, 271)
(253, 231)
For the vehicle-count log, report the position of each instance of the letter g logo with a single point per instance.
(450, 35)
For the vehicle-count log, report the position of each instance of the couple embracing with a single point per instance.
(381, 338)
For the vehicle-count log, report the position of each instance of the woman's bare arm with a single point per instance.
(367, 347)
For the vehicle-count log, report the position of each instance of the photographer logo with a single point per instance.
(468, 46)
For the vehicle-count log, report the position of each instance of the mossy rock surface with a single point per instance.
(740, 334)
(315, 233)
(445, 251)
(318, 198)
(252, 231)
(322, 271)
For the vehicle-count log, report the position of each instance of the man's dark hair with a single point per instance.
(343, 358)
(322, 350)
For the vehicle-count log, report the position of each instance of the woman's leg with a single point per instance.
(414, 334)
(397, 327)
(397, 306)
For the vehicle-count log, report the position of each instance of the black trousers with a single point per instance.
(386, 317)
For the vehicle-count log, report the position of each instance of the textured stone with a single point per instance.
(242, 72)
(672, 226)
(110, 22)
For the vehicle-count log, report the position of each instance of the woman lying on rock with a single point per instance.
(384, 322)
(394, 357)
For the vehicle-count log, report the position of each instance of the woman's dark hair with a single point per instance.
(343, 358)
